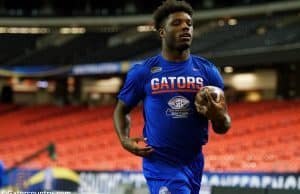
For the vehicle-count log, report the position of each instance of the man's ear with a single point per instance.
(161, 32)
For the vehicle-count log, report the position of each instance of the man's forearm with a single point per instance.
(122, 121)
(221, 124)
(121, 126)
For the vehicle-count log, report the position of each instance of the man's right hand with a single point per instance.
(132, 145)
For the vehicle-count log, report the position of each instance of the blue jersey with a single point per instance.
(2, 170)
(172, 125)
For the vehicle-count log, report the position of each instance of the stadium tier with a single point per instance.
(264, 138)
(211, 36)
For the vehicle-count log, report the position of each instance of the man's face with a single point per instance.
(177, 31)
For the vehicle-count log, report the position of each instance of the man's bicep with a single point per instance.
(123, 107)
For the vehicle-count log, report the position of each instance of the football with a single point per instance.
(216, 93)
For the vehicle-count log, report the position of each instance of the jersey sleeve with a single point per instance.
(133, 90)
(215, 78)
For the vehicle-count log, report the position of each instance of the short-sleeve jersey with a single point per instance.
(172, 125)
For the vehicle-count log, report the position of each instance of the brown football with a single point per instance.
(216, 93)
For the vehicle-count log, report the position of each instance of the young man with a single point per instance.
(175, 129)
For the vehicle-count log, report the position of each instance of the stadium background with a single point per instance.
(62, 64)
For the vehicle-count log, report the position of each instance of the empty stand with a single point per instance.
(264, 137)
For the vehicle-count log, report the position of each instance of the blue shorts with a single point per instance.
(168, 178)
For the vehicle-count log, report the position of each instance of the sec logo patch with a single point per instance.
(178, 102)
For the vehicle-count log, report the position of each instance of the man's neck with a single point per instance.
(176, 56)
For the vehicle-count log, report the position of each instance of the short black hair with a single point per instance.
(168, 7)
